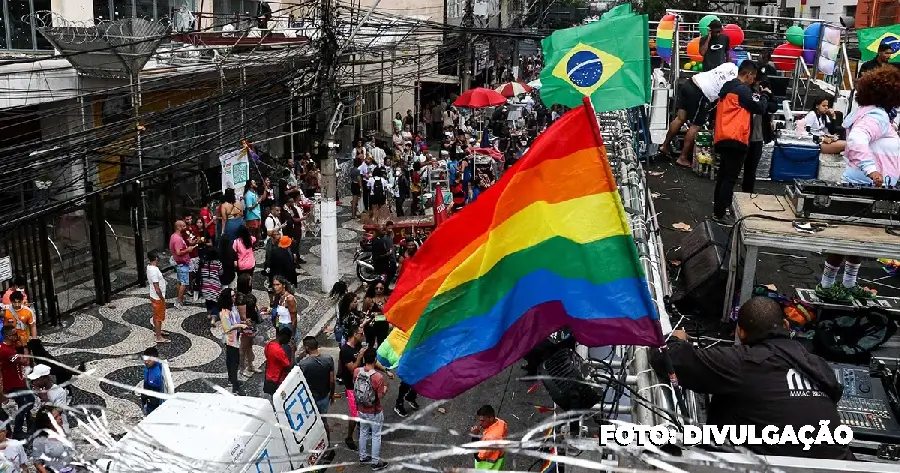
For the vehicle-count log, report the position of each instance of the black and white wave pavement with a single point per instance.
(109, 340)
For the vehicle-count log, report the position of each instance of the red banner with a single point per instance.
(440, 207)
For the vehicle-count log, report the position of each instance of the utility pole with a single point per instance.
(328, 205)
(468, 22)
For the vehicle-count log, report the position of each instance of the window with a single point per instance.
(17, 26)
(119, 9)
(850, 10)
(814, 12)
(455, 9)
(238, 13)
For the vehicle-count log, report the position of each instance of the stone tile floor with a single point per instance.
(109, 340)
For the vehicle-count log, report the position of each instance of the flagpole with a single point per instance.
(667, 360)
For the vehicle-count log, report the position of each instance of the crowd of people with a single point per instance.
(464, 150)
(32, 379)
(739, 104)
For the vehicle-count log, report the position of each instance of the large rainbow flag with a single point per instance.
(547, 246)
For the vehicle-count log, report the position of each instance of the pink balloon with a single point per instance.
(735, 34)
(786, 63)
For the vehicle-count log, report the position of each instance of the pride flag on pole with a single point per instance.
(547, 246)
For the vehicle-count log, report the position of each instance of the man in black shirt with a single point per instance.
(884, 55)
(714, 47)
(769, 379)
(383, 252)
(351, 357)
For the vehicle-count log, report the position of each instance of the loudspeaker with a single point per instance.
(567, 387)
(703, 255)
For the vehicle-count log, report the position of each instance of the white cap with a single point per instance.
(39, 371)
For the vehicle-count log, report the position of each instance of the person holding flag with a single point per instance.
(389, 354)
(878, 46)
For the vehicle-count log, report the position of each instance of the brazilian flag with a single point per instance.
(607, 60)
(871, 38)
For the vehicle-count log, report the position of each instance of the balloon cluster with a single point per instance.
(800, 43)
(735, 38)
(693, 66)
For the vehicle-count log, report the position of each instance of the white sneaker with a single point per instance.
(178, 306)
(196, 298)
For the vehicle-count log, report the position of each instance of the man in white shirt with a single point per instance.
(695, 100)
(273, 223)
(157, 285)
(12, 452)
(365, 172)
(49, 393)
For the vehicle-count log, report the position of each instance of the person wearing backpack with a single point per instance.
(369, 387)
(351, 358)
(378, 187)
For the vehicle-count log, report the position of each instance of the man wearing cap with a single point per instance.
(49, 393)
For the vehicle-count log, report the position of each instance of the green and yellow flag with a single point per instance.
(871, 38)
(608, 61)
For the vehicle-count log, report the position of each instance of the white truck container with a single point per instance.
(217, 432)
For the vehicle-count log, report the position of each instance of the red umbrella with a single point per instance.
(480, 98)
(512, 89)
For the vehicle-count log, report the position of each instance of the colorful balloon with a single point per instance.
(664, 33)
(811, 36)
(693, 50)
(795, 35)
(789, 53)
(809, 55)
(704, 24)
(735, 34)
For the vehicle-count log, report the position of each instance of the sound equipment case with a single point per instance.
(704, 255)
(843, 208)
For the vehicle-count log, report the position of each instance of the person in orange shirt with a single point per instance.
(490, 428)
(18, 285)
(21, 317)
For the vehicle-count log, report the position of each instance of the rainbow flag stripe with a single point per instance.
(547, 246)
(391, 350)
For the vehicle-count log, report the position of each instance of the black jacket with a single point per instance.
(757, 384)
(870, 65)
(737, 103)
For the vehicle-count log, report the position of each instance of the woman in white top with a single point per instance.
(822, 122)
(285, 309)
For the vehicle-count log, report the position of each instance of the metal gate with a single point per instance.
(28, 248)
(72, 258)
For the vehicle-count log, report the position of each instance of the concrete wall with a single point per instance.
(73, 10)
(59, 119)
(414, 58)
